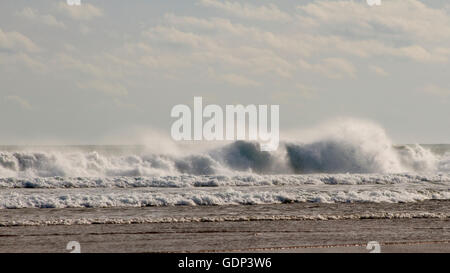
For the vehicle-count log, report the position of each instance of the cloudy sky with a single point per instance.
(79, 74)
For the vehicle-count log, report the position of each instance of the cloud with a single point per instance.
(16, 41)
(378, 70)
(103, 72)
(386, 30)
(264, 13)
(217, 24)
(226, 43)
(237, 80)
(436, 90)
(83, 12)
(305, 90)
(420, 54)
(283, 53)
(227, 49)
(33, 15)
(175, 36)
(247, 53)
(392, 19)
(296, 96)
(334, 68)
(128, 106)
(13, 61)
(66, 61)
(114, 89)
(85, 29)
(24, 104)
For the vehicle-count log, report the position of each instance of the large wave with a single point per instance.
(347, 146)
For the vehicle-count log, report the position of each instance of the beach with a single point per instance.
(232, 198)
(298, 227)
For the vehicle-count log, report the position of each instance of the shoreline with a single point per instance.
(399, 235)
(394, 234)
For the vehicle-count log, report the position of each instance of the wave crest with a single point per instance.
(343, 147)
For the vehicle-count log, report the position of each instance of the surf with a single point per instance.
(347, 146)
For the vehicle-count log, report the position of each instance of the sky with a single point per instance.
(80, 74)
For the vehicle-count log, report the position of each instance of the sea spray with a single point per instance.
(347, 146)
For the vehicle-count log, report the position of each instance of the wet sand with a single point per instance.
(217, 234)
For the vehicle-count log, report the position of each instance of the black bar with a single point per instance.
(224, 262)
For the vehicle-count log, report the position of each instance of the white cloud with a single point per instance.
(237, 80)
(16, 41)
(65, 61)
(124, 105)
(246, 54)
(104, 72)
(15, 61)
(107, 87)
(334, 68)
(265, 13)
(84, 12)
(259, 51)
(217, 24)
(46, 19)
(85, 29)
(378, 70)
(421, 54)
(222, 49)
(296, 96)
(21, 102)
(395, 19)
(176, 36)
(436, 90)
(403, 28)
(305, 90)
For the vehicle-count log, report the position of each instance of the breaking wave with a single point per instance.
(144, 197)
(345, 147)
(215, 181)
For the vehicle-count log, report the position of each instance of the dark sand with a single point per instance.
(400, 234)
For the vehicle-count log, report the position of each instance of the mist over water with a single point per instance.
(346, 147)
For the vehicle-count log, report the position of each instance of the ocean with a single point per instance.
(304, 197)
(233, 174)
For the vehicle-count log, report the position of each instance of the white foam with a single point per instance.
(104, 197)
(243, 180)
(228, 218)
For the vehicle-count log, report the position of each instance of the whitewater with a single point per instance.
(347, 161)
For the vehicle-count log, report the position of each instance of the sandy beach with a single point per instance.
(299, 227)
